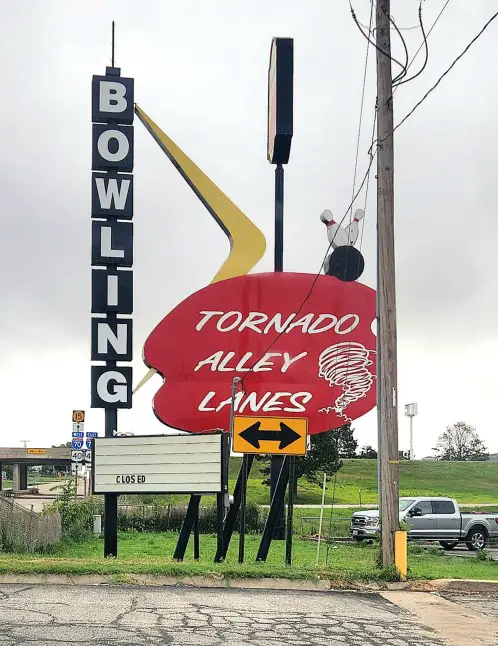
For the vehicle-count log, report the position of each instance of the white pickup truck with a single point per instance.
(432, 519)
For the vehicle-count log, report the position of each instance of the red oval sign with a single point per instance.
(317, 362)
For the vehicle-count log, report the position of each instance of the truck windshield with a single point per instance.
(404, 504)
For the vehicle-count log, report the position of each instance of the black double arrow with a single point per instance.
(253, 435)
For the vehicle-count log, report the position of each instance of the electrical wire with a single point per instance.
(394, 60)
(427, 37)
(404, 72)
(405, 80)
(318, 274)
(361, 109)
(430, 90)
(372, 157)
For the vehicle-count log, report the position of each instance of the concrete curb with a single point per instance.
(435, 586)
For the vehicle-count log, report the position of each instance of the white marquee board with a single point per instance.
(158, 464)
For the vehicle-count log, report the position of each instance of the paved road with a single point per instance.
(100, 616)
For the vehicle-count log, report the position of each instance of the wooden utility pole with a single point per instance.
(387, 395)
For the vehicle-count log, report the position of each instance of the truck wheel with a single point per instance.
(358, 539)
(477, 539)
(448, 545)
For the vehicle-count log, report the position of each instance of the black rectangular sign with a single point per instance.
(111, 386)
(112, 147)
(112, 99)
(112, 195)
(112, 340)
(112, 243)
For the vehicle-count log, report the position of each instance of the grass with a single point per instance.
(152, 554)
(356, 483)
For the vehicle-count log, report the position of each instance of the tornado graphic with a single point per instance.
(346, 365)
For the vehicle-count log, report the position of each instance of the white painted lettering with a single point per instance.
(341, 321)
(241, 366)
(222, 366)
(274, 403)
(303, 323)
(321, 317)
(112, 97)
(112, 394)
(228, 402)
(297, 407)
(288, 361)
(212, 360)
(106, 249)
(231, 326)
(253, 320)
(115, 192)
(112, 290)
(203, 405)
(276, 322)
(252, 402)
(103, 145)
(260, 366)
(205, 319)
(106, 336)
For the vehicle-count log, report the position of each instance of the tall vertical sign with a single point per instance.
(112, 258)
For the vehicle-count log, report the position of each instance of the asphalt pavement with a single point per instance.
(126, 615)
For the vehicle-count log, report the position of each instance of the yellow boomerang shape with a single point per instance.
(247, 242)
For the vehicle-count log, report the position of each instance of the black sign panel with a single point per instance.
(112, 292)
(111, 387)
(112, 99)
(112, 195)
(112, 147)
(112, 340)
(280, 100)
(112, 243)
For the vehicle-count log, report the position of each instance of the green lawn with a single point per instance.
(356, 482)
(152, 554)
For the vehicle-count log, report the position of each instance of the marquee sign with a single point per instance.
(159, 464)
(316, 361)
(112, 238)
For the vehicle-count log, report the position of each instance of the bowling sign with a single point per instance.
(315, 360)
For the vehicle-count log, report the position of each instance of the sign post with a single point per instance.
(280, 130)
(112, 258)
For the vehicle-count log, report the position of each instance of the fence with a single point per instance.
(22, 530)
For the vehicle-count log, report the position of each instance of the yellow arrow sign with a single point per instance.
(271, 435)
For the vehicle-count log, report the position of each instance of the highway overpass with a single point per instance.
(22, 458)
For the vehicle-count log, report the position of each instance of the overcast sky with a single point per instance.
(200, 72)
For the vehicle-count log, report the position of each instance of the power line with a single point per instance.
(361, 105)
(424, 42)
(373, 155)
(403, 67)
(445, 73)
(428, 34)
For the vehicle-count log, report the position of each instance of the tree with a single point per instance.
(66, 445)
(347, 441)
(367, 453)
(324, 456)
(461, 442)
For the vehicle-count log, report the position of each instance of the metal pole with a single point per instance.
(111, 499)
(386, 294)
(290, 509)
(412, 454)
(196, 534)
(321, 519)
(243, 490)
(276, 460)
